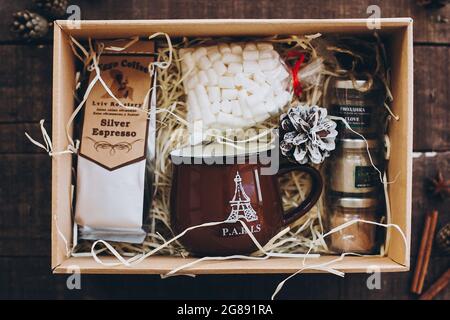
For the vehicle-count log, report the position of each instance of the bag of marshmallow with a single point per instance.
(233, 85)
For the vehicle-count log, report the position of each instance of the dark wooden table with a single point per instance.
(25, 172)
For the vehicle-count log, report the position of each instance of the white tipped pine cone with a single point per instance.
(307, 134)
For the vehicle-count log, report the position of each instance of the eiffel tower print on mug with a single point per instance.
(240, 204)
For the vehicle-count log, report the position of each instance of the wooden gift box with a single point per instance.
(396, 33)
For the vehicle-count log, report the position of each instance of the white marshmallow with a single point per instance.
(225, 106)
(282, 99)
(270, 96)
(236, 48)
(275, 55)
(254, 88)
(251, 66)
(214, 56)
(264, 46)
(203, 101)
(259, 77)
(236, 108)
(188, 61)
(193, 107)
(271, 107)
(229, 94)
(267, 64)
(202, 78)
(215, 107)
(219, 67)
(196, 132)
(191, 82)
(202, 96)
(183, 51)
(261, 117)
(213, 94)
(235, 68)
(213, 79)
(265, 54)
(277, 87)
(226, 82)
(212, 49)
(250, 55)
(204, 63)
(198, 53)
(260, 109)
(247, 84)
(229, 57)
(269, 103)
(250, 46)
(265, 91)
(241, 80)
(254, 100)
(224, 48)
(242, 95)
(227, 121)
(283, 74)
(272, 75)
(184, 67)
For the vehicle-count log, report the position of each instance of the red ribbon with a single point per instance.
(295, 81)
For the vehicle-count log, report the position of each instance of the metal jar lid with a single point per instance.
(358, 143)
(349, 84)
(357, 202)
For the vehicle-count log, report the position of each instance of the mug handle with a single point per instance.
(316, 189)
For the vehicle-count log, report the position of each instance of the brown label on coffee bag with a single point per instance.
(114, 136)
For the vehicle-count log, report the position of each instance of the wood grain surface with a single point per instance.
(25, 171)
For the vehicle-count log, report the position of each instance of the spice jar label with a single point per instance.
(365, 177)
(114, 136)
(358, 117)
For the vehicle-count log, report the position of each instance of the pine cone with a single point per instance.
(443, 239)
(307, 134)
(29, 25)
(52, 8)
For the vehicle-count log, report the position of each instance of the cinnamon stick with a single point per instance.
(437, 287)
(429, 246)
(420, 256)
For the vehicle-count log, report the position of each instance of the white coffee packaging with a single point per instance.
(117, 146)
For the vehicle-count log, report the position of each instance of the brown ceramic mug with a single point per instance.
(217, 192)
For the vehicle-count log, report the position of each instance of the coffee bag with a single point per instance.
(117, 146)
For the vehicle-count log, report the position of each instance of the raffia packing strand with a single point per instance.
(116, 144)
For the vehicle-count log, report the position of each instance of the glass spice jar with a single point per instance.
(360, 106)
(350, 169)
(359, 237)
